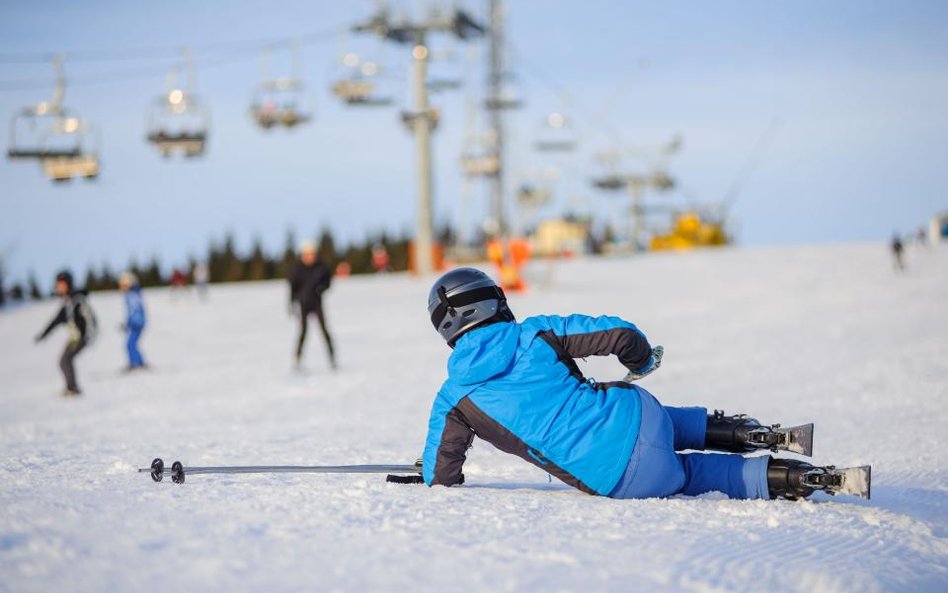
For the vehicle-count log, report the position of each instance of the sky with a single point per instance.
(852, 96)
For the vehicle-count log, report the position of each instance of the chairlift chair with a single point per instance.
(609, 182)
(178, 122)
(280, 102)
(503, 103)
(357, 86)
(480, 164)
(29, 131)
(67, 152)
(555, 135)
(508, 97)
(437, 85)
(533, 196)
(359, 93)
(32, 127)
(409, 118)
(536, 189)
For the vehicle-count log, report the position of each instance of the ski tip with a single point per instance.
(799, 439)
(857, 481)
(806, 440)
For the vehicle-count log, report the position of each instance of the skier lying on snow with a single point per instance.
(517, 386)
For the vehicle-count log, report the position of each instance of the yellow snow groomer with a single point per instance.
(688, 231)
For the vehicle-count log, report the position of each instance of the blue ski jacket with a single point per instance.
(517, 386)
(134, 309)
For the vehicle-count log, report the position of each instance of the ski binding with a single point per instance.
(855, 481)
(795, 439)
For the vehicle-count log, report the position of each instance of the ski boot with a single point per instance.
(740, 434)
(793, 479)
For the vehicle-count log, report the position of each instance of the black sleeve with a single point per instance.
(293, 277)
(80, 320)
(452, 452)
(627, 344)
(325, 279)
(60, 318)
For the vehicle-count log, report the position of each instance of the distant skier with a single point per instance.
(80, 320)
(517, 386)
(309, 278)
(201, 276)
(380, 259)
(134, 318)
(897, 249)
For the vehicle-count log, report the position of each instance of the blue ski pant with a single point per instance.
(657, 469)
(134, 356)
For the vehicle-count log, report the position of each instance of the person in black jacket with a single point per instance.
(309, 278)
(78, 317)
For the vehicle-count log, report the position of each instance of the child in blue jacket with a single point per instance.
(134, 318)
(517, 386)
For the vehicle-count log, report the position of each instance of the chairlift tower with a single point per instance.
(422, 119)
(496, 106)
(656, 178)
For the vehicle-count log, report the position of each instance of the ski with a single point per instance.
(795, 439)
(855, 481)
(179, 471)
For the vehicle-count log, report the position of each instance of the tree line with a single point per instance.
(225, 263)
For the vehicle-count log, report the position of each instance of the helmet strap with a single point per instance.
(443, 298)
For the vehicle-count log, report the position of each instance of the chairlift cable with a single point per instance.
(753, 159)
(239, 51)
(132, 74)
(168, 52)
(124, 75)
(601, 124)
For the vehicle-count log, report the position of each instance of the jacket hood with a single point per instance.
(484, 353)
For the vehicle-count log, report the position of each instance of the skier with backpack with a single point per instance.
(517, 386)
(79, 318)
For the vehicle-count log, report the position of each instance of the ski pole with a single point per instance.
(178, 470)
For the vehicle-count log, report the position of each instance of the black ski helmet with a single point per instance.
(463, 299)
(65, 276)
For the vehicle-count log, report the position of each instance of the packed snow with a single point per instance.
(830, 334)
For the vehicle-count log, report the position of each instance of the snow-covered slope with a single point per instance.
(829, 334)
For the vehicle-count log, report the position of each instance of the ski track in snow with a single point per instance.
(827, 334)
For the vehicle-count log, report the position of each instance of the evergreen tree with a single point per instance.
(398, 253)
(215, 263)
(151, 275)
(326, 247)
(233, 268)
(35, 292)
(92, 280)
(108, 279)
(446, 235)
(360, 257)
(256, 264)
(289, 255)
